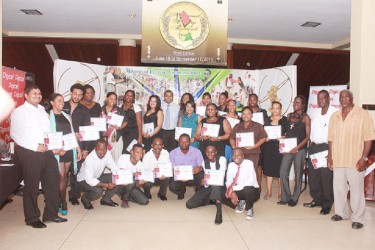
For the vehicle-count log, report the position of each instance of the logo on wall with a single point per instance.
(184, 26)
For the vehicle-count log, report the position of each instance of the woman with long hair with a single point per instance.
(223, 97)
(154, 114)
(233, 119)
(61, 122)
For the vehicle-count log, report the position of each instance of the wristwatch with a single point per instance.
(365, 158)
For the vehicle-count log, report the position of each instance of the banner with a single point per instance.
(191, 32)
(334, 96)
(14, 85)
(276, 84)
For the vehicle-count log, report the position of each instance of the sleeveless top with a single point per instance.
(296, 130)
(207, 164)
(191, 122)
(220, 145)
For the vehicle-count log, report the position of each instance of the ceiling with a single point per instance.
(267, 22)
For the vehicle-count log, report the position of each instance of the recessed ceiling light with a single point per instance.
(311, 24)
(32, 12)
(230, 20)
(132, 15)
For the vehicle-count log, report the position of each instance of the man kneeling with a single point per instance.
(242, 186)
(210, 193)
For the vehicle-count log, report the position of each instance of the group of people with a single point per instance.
(218, 140)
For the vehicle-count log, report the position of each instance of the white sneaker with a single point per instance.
(250, 214)
(241, 206)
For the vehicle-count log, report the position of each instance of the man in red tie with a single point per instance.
(242, 186)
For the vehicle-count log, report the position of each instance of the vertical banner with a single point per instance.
(334, 95)
(190, 32)
(14, 85)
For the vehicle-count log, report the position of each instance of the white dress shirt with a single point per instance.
(174, 110)
(319, 125)
(247, 175)
(93, 167)
(149, 160)
(28, 125)
(125, 163)
(222, 164)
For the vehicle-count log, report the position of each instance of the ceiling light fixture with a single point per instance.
(32, 12)
(311, 24)
(230, 19)
(132, 15)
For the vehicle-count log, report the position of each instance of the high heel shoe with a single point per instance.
(267, 196)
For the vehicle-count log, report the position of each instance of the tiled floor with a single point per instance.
(170, 225)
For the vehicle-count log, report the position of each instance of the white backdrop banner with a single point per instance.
(276, 84)
(334, 94)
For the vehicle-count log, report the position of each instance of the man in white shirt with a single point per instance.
(132, 192)
(29, 122)
(207, 194)
(320, 179)
(171, 111)
(157, 155)
(242, 186)
(91, 179)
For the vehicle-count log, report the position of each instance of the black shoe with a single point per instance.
(109, 203)
(37, 224)
(180, 197)
(336, 217)
(357, 225)
(282, 203)
(74, 201)
(162, 197)
(218, 219)
(292, 203)
(325, 210)
(56, 220)
(87, 204)
(149, 196)
(311, 204)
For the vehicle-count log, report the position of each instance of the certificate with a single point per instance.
(201, 110)
(70, 141)
(99, 122)
(180, 130)
(115, 119)
(287, 144)
(148, 128)
(221, 113)
(163, 169)
(122, 176)
(232, 121)
(258, 117)
(209, 129)
(145, 175)
(130, 147)
(53, 140)
(319, 160)
(183, 173)
(273, 132)
(214, 177)
(245, 139)
(88, 133)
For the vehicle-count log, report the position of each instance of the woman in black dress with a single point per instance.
(271, 157)
(133, 113)
(93, 107)
(218, 141)
(61, 122)
(154, 115)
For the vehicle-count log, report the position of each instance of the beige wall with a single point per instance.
(362, 56)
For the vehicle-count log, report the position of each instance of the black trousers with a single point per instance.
(168, 138)
(39, 167)
(162, 183)
(249, 193)
(74, 191)
(321, 179)
(179, 187)
(91, 193)
(204, 195)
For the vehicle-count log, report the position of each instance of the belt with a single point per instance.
(318, 144)
(168, 129)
